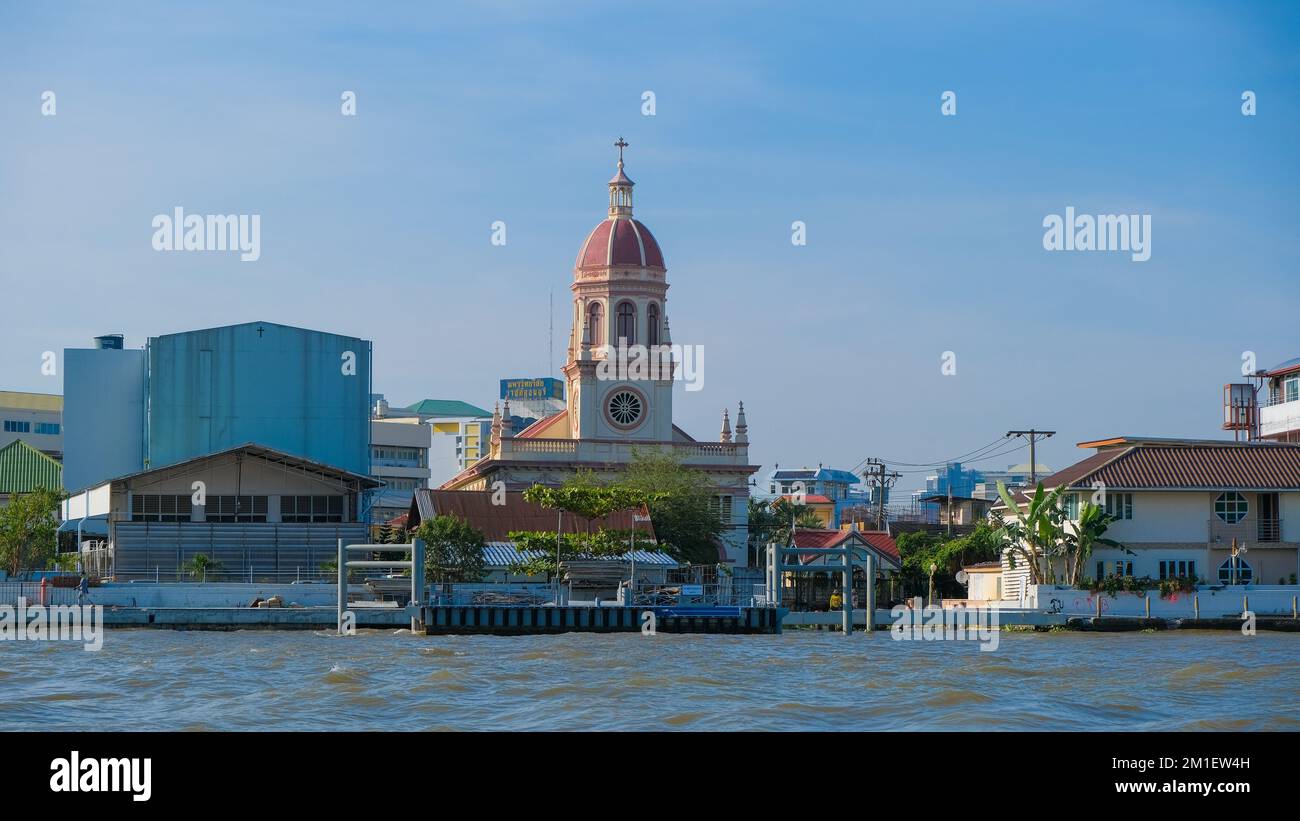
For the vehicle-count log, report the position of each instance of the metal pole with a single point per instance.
(559, 524)
(871, 592)
(847, 604)
(342, 585)
(1033, 461)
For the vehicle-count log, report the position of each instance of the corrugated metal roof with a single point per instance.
(504, 554)
(262, 452)
(23, 468)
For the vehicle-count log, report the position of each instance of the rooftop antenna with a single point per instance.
(550, 333)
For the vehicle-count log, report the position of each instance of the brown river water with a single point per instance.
(802, 680)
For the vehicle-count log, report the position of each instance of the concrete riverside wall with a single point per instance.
(1215, 602)
(213, 595)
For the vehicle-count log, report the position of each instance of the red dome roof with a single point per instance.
(620, 241)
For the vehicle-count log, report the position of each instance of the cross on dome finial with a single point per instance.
(620, 188)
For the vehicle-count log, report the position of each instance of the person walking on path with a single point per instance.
(83, 590)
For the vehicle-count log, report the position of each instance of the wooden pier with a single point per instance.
(514, 620)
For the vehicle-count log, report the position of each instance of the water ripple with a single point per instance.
(255, 680)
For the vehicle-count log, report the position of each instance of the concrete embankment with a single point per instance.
(251, 618)
(1032, 620)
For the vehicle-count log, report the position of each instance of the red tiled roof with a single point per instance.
(496, 521)
(883, 542)
(1190, 465)
(1199, 467)
(812, 500)
(809, 537)
(815, 538)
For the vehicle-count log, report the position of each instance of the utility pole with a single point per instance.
(1033, 436)
(875, 472)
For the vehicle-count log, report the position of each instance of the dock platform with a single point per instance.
(513, 620)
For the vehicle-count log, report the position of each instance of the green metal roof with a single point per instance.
(446, 407)
(23, 468)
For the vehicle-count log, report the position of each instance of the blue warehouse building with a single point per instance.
(188, 395)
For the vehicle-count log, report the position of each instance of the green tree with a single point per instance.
(28, 524)
(687, 520)
(453, 550)
(540, 546)
(790, 516)
(762, 523)
(582, 495)
(201, 564)
(1034, 532)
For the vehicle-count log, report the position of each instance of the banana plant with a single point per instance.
(1033, 532)
(1085, 534)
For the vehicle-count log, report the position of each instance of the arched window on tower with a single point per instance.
(594, 315)
(652, 324)
(627, 322)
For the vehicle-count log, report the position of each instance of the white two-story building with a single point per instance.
(1279, 413)
(1179, 504)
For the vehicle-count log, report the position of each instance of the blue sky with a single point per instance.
(924, 231)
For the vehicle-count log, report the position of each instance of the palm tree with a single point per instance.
(1034, 531)
(199, 565)
(790, 516)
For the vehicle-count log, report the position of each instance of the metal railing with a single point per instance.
(687, 594)
(414, 582)
(251, 575)
(1248, 529)
(11, 592)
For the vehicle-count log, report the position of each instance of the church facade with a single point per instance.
(619, 367)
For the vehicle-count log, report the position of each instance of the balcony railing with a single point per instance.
(1250, 529)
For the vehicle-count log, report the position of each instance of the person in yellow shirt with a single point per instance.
(837, 601)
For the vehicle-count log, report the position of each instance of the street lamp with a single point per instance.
(1236, 560)
(933, 568)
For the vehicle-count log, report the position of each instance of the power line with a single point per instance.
(975, 461)
(1033, 436)
(965, 457)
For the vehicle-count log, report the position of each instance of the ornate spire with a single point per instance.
(507, 427)
(496, 422)
(726, 427)
(668, 337)
(742, 428)
(620, 187)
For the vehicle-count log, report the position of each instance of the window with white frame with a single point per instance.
(1231, 507)
(1116, 568)
(1237, 569)
(1119, 505)
(1071, 504)
(1177, 568)
(722, 505)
